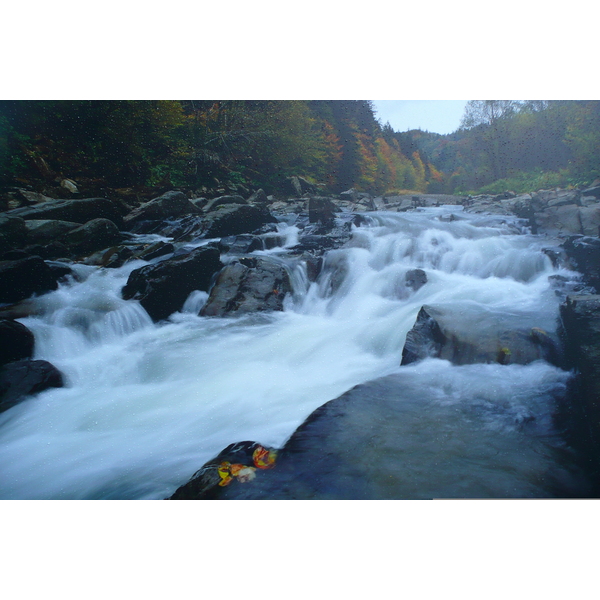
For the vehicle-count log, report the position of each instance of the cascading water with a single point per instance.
(145, 405)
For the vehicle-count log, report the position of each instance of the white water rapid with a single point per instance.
(145, 405)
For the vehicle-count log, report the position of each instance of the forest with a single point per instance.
(206, 144)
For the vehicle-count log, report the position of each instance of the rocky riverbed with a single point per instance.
(219, 248)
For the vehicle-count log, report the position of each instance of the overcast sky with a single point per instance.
(436, 116)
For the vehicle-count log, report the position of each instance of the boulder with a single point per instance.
(321, 210)
(298, 186)
(258, 197)
(16, 341)
(475, 337)
(23, 378)
(240, 244)
(234, 219)
(563, 219)
(163, 288)
(222, 201)
(556, 197)
(392, 438)
(249, 285)
(44, 231)
(584, 253)
(580, 319)
(30, 197)
(563, 197)
(78, 211)
(69, 185)
(19, 279)
(589, 217)
(592, 191)
(350, 195)
(239, 463)
(170, 204)
(93, 235)
(13, 232)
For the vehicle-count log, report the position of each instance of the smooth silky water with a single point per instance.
(145, 405)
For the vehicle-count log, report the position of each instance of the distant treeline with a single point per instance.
(516, 145)
(196, 143)
(259, 143)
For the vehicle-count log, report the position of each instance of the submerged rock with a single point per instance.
(163, 288)
(248, 285)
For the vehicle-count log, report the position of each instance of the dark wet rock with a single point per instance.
(16, 341)
(240, 244)
(272, 241)
(163, 288)
(350, 195)
(584, 252)
(476, 337)
(249, 285)
(238, 464)
(44, 231)
(13, 232)
(16, 254)
(20, 279)
(60, 270)
(28, 197)
(93, 235)
(184, 228)
(222, 201)
(51, 251)
(233, 219)
(23, 378)
(415, 279)
(298, 186)
(170, 204)
(315, 243)
(321, 209)
(314, 265)
(258, 197)
(424, 340)
(155, 250)
(77, 211)
(580, 319)
(361, 446)
(113, 257)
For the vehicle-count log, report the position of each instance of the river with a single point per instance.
(145, 404)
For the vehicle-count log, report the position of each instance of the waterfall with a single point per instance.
(145, 405)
